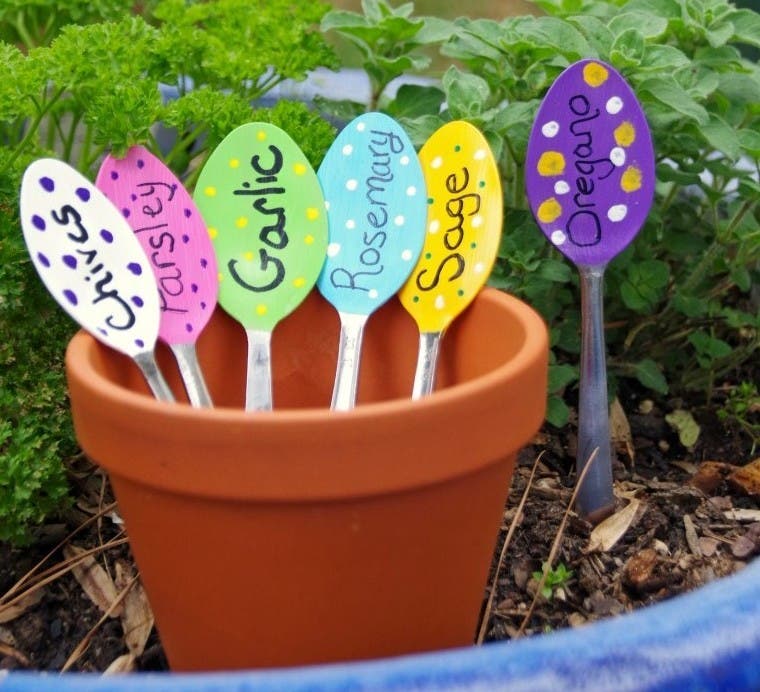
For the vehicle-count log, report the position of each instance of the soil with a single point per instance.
(676, 526)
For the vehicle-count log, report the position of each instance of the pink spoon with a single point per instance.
(173, 234)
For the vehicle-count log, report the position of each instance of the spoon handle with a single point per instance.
(146, 361)
(349, 355)
(427, 357)
(595, 498)
(258, 383)
(192, 376)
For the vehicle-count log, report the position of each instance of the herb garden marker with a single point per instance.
(89, 259)
(590, 181)
(173, 234)
(264, 207)
(375, 197)
(464, 217)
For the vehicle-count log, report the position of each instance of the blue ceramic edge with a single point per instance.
(708, 639)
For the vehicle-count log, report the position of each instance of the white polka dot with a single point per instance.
(558, 237)
(352, 184)
(350, 224)
(434, 226)
(399, 220)
(617, 156)
(406, 255)
(479, 268)
(372, 293)
(404, 160)
(480, 154)
(411, 191)
(361, 127)
(617, 212)
(477, 221)
(437, 162)
(550, 129)
(348, 150)
(439, 303)
(333, 249)
(561, 187)
(327, 205)
(614, 105)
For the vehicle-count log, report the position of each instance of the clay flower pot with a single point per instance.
(303, 535)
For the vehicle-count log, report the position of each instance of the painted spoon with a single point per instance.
(173, 234)
(91, 262)
(266, 215)
(375, 197)
(590, 182)
(464, 217)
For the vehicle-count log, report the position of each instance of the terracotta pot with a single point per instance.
(304, 535)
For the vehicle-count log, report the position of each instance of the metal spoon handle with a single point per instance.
(146, 361)
(427, 357)
(192, 376)
(258, 383)
(595, 497)
(349, 355)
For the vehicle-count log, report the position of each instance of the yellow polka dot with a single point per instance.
(242, 222)
(625, 134)
(234, 163)
(299, 282)
(299, 169)
(550, 210)
(248, 255)
(210, 191)
(212, 232)
(220, 276)
(631, 179)
(312, 213)
(595, 74)
(261, 136)
(261, 310)
(309, 239)
(551, 163)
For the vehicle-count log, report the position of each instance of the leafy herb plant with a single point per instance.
(81, 78)
(679, 307)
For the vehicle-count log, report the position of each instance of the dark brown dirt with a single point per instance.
(678, 538)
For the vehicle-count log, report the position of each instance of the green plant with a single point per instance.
(556, 578)
(83, 78)
(742, 406)
(679, 309)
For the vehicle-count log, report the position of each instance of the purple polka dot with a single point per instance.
(138, 301)
(133, 197)
(188, 213)
(44, 261)
(102, 331)
(70, 296)
(106, 235)
(83, 193)
(194, 288)
(125, 212)
(47, 184)
(38, 222)
(135, 268)
(204, 262)
(188, 327)
(139, 342)
(114, 175)
(70, 261)
(140, 163)
(185, 238)
(203, 305)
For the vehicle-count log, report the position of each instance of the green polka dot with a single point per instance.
(482, 183)
(416, 299)
(473, 245)
(428, 255)
(460, 292)
(457, 148)
(430, 200)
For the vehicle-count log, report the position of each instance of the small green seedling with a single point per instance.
(555, 578)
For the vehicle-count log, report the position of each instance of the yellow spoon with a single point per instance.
(465, 212)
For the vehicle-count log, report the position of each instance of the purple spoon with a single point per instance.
(590, 182)
(173, 234)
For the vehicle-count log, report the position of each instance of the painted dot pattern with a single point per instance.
(174, 236)
(374, 185)
(88, 258)
(464, 222)
(268, 264)
(590, 164)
